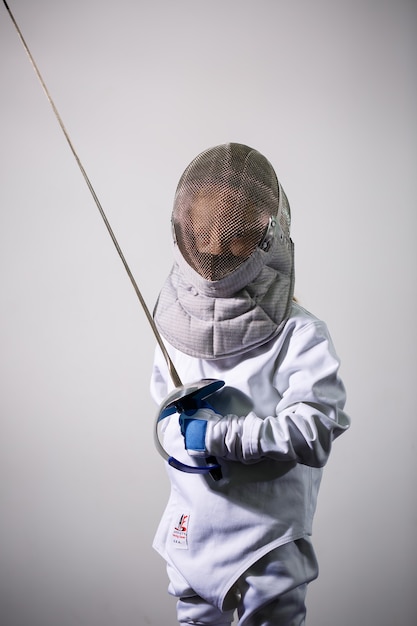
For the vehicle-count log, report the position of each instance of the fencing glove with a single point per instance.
(193, 426)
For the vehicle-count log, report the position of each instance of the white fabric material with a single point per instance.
(294, 402)
(272, 591)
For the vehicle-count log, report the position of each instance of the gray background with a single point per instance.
(327, 91)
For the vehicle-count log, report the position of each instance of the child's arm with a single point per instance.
(308, 418)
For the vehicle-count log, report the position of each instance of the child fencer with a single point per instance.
(239, 541)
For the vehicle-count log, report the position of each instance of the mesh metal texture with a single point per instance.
(223, 206)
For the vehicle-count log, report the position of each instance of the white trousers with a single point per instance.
(270, 593)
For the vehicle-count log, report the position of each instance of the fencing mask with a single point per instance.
(225, 201)
(232, 249)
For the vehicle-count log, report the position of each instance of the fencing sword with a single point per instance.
(183, 398)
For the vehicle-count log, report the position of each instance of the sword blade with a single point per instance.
(171, 368)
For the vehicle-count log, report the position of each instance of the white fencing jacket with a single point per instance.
(283, 405)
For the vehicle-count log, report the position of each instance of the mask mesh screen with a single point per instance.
(222, 208)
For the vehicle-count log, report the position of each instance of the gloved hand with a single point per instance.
(193, 425)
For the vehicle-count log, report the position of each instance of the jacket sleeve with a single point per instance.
(309, 415)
